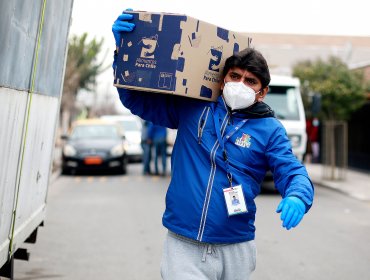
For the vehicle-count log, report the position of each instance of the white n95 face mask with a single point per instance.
(238, 96)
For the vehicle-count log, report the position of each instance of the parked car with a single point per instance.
(131, 126)
(94, 144)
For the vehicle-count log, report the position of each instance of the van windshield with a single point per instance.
(283, 100)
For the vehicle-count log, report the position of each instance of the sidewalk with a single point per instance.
(356, 184)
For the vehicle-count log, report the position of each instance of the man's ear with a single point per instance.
(222, 84)
(262, 94)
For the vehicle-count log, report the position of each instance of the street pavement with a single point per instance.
(355, 184)
(71, 247)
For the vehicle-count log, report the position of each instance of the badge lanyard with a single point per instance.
(222, 141)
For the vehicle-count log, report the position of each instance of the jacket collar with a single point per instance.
(256, 111)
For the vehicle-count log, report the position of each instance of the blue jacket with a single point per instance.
(195, 204)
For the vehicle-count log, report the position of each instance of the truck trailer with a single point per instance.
(34, 45)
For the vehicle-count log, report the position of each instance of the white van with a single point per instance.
(284, 97)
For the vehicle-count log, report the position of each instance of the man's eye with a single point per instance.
(251, 81)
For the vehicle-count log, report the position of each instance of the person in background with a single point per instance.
(315, 140)
(158, 136)
(312, 154)
(146, 145)
(307, 156)
(221, 146)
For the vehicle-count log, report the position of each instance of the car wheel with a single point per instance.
(66, 171)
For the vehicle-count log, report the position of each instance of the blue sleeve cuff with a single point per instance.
(301, 186)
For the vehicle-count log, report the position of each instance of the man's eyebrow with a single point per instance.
(235, 73)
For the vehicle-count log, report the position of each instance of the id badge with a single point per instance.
(235, 202)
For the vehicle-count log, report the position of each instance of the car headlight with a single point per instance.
(69, 151)
(117, 150)
(295, 140)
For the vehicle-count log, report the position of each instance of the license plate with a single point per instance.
(93, 160)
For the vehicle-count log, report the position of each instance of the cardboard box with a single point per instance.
(175, 54)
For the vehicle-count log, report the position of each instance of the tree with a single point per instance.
(342, 91)
(81, 71)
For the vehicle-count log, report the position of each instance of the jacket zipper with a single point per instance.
(210, 180)
(202, 123)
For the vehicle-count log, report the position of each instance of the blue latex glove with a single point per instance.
(292, 210)
(122, 25)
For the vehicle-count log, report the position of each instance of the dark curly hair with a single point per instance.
(251, 60)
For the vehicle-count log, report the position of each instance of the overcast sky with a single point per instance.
(331, 17)
(322, 17)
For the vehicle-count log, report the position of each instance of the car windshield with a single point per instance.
(95, 132)
(129, 125)
(283, 100)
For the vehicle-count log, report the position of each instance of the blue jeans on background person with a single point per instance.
(147, 157)
(160, 146)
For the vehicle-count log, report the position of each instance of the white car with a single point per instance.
(132, 130)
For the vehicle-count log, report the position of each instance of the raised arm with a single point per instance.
(158, 108)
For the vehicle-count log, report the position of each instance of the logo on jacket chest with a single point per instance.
(244, 141)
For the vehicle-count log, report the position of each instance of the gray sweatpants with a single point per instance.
(187, 259)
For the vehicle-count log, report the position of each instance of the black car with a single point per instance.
(94, 145)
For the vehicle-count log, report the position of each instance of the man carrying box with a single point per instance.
(222, 150)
